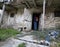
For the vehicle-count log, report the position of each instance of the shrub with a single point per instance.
(22, 45)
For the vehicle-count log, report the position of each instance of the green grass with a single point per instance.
(39, 34)
(42, 35)
(58, 44)
(55, 45)
(22, 45)
(6, 33)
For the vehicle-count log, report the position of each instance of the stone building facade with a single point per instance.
(22, 18)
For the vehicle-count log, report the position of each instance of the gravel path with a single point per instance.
(14, 42)
(22, 38)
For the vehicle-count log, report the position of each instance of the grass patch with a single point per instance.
(39, 34)
(6, 33)
(22, 45)
(58, 44)
(43, 34)
(55, 45)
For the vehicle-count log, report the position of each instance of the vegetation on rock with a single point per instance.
(22, 45)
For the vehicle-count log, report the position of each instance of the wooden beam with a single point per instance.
(24, 4)
(34, 1)
(10, 8)
(50, 2)
(27, 3)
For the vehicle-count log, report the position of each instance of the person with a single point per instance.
(35, 23)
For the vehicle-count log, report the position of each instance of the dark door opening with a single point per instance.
(35, 21)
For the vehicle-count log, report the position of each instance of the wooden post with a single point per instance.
(44, 1)
(2, 15)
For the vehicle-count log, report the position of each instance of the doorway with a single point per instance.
(35, 21)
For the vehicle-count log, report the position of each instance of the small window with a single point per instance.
(12, 15)
(57, 13)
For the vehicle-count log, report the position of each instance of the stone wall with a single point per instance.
(50, 21)
(20, 20)
(57, 22)
(23, 19)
